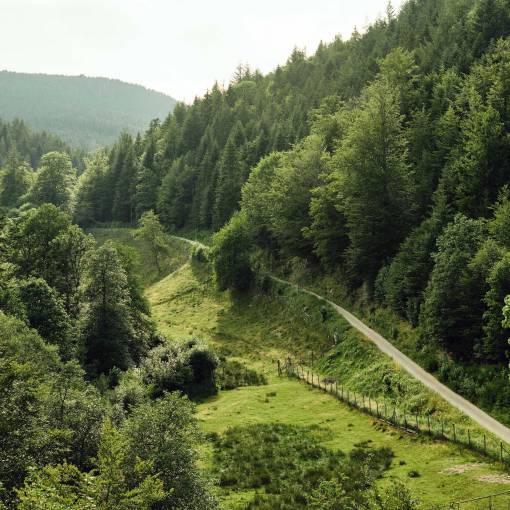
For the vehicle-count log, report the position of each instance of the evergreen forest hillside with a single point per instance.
(85, 112)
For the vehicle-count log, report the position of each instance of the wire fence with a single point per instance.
(475, 440)
(499, 501)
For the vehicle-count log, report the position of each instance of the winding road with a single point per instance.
(463, 405)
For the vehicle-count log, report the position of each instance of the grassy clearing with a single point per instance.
(147, 270)
(258, 330)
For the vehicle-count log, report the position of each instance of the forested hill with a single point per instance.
(382, 160)
(30, 146)
(85, 112)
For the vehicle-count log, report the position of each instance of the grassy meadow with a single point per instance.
(259, 329)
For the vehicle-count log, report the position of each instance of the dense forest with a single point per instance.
(368, 159)
(85, 112)
(31, 145)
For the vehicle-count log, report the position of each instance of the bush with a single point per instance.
(200, 254)
(186, 366)
(231, 255)
(232, 374)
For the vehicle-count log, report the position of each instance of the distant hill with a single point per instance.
(84, 112)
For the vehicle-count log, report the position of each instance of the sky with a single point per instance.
(179, 47)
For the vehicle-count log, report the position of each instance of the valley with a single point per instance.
(257, 330)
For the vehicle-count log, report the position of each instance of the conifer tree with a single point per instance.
(227, 194)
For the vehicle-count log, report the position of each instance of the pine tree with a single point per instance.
(107, 331)
(228, 185)
(123, 180)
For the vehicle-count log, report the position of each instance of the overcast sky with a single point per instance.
(179, 47)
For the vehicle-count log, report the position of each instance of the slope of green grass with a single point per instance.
(178, 252)
(258, 330)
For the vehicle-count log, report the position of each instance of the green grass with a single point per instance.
(260, 329)
(147, 270)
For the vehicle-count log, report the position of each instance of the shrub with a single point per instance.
(231, 255)
(232, 374)
(186, 366)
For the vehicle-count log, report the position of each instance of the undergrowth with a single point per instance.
(286, 465)
(232, 374)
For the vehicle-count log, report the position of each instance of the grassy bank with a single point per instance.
(260, 328)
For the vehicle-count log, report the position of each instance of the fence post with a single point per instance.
(428, 422)
(469, 438)
(501, 450)
(279, 370)
(442, 428)
(485, 444)
(336, 388)
(370, 404)
(363, 397)
(454, 433)
(377, 408)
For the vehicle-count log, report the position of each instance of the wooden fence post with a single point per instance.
(377, 408)
(469, 438)
(485, 444)
(279, 370)
(501, 450)
(428, 422)
(454, 433)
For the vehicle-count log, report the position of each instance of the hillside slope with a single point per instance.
(85, 112)
(258, 329)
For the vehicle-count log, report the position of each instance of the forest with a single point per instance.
(378, 167)
(85, 112)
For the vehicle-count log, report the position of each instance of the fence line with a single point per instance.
(499, 501)
(411, 422)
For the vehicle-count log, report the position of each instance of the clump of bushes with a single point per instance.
(184, 366)
(200, 254)
(295, 470)
(232, 374)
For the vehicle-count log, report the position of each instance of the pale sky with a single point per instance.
(179, 47)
